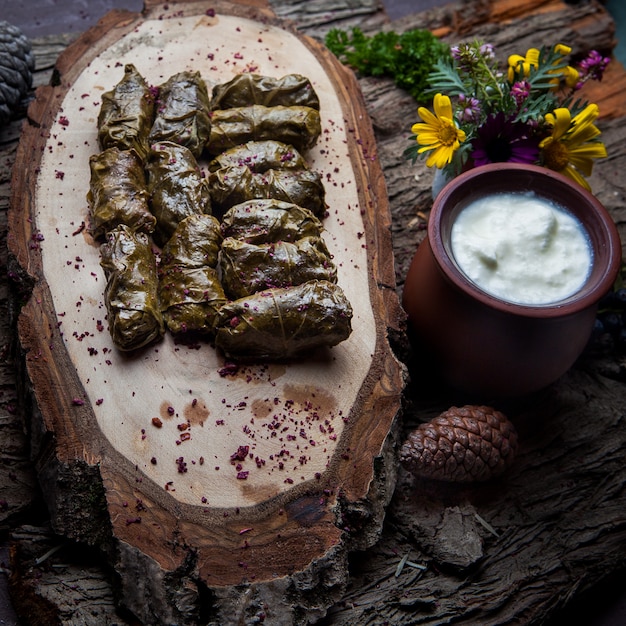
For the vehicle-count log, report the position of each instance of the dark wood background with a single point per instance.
(544, 544)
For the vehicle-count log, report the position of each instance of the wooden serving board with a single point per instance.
(137, 452)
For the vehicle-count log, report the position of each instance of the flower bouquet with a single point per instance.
(524, 114)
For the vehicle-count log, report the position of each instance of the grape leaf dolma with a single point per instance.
(118, 193)
(176, 186)
(195, 243)
(126, 114)
(281, 323)
(131, 296)
(246, 268)
(237, 183)
(191, 298)
(189, 288)
(246, 89)
(182, 112)
(269, 220)
(297, 126)
(260, 156)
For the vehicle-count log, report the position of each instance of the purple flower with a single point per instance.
(487, 52)
(467, 56)
(520, 90)
(592, 67)
(501, 140)
(456, 53)
(469, 109)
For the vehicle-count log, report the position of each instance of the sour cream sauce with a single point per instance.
(521, 248)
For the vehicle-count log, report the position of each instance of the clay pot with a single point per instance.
(478, 342)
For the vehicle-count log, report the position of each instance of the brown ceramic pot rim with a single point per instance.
(500, 177)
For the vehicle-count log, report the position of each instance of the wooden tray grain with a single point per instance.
(318, 432)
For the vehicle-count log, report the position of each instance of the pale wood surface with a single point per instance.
(168, 377)
(556, 523)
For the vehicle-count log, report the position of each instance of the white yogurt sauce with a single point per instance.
(521, 248)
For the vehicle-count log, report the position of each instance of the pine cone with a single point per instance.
(466, 444)
(16, 66)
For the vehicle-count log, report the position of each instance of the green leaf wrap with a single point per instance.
(176, 186)
(260, 156)
(182, 112)
(247, 89)
(297, 126)
(126, 114)
(269, 220)
(236, 184)
(195, 243)
(190, 298)
(118, 193)
(282, 323)
(131, 293)
(247, 268)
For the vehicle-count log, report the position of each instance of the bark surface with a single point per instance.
(515, 550)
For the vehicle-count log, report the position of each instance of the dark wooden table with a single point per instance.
(522, 549)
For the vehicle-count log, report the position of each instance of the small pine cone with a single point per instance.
(16, 66)
(462, 444)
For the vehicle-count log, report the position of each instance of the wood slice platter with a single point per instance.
(179, 513)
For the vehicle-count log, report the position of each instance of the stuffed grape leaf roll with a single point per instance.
(126, 113)
(176, 186)
(118, 193)
(237, 183)
(282, 323)
(190, 290)
(182, 112)
(297, 126)
(190, 299)
(266, 221)
(247, 89)
(131, 292)
(260, 156)
(195, 243)
(246, 268)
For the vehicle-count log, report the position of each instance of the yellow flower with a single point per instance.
(569, 73)
(570, 148)
(438, 132)
(562, 49)
(570, 76)
(524, 65)
(518, 63)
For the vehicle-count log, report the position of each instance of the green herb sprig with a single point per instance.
(407, 58)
